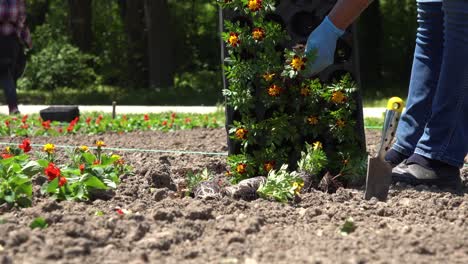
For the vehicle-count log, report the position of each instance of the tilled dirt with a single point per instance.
(417, 225)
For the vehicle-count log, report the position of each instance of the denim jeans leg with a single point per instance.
(424, 77)
(445, 137)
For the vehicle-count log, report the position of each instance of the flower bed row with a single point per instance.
(98, 123)
(85, 174)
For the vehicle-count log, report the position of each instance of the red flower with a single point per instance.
(25, 117)
(96, 162)
(6, 155)
(119, 211)
(60, 130)
(82, 168)
(26, 145)
(188, 120)
(164, 123)
(70, 127)
(52, 171)
(24, 126)
(88, 120)
(146, 117)
(7, 123)
(46, 124)
(62, 181)
(173, 116)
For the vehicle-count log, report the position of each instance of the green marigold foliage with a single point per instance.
(280, 108)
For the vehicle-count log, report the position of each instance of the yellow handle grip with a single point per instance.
(395, 104)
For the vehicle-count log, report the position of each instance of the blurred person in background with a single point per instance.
(14, 39)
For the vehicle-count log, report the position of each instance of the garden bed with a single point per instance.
(144, 221)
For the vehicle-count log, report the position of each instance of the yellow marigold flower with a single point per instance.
(49, 148)
(258, 34)
(340, 123)
(241, 133)
(274, 90)
(318, 145)
(298, 63)
(100, 143)
(7, 149)
(233, 39)
(254, 5)
(312, 120)
(298, 187)
(305, 91)
(268, 76)
(241, 168)
(338, 97)
(84, 148)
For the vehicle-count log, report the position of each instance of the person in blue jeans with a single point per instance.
(432, 136)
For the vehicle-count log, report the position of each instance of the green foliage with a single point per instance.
(348, 227)
(281, 185)
(59, 65)
(86, 174)
(195, 178)
(313, 160)
(15, 178)
(278, 104)
(39, 222)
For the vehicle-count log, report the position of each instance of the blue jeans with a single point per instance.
(435, 122)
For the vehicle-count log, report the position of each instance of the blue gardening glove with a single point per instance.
(323, 39)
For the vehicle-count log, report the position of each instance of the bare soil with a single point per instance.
(417, 225)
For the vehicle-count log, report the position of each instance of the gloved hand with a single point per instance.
(323, 39)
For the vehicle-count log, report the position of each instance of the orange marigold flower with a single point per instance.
(254, 5)
(258, 34)
(268, 76)
(298, 63)
(340, 123)
(241, 133)
(269, 165)
(312, 120)
(274, 90)
(338, 97)
(233, 39)
(305, 91)
(241, 168)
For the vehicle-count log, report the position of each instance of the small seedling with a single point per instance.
(39, 222)
(348, 227)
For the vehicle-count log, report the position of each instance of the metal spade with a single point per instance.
(379, 172)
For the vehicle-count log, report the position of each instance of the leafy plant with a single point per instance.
(195, 178)
(348, 227)
(39, 222)
(16, 170)
(281, 185)
(87, 173)
(278, 109)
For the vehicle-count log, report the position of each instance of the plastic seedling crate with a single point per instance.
(60, 113)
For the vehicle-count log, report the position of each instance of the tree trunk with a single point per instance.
(133, 15)
(80, 23)
(160, 52)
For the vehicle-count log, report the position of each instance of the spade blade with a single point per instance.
(379, 178)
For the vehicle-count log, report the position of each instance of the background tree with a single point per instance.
(80, 20)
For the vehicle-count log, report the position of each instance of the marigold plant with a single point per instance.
(280, 110)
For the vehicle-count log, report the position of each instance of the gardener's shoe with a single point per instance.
(394, 157)
(418, 170)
